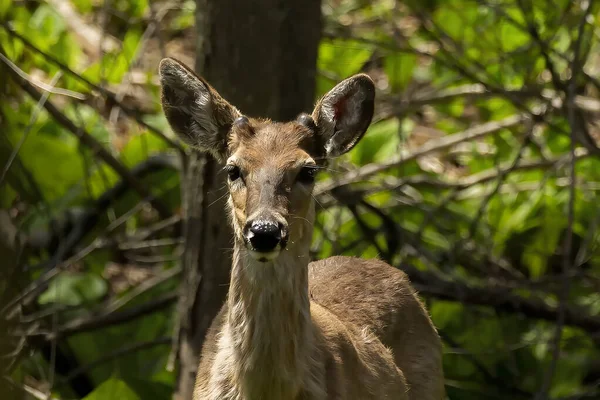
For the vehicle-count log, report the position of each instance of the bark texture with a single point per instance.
(261, 56)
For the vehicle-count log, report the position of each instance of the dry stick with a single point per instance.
(30, 390)
(440, 144)
(144, 233)
(50, 88)
(132, 113)
(146, 244)
(91, 142)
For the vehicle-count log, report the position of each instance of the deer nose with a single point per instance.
(264, 235)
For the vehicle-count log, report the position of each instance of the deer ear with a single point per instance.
(343, 115)
(194, 110)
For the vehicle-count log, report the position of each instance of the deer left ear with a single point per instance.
(343, 115)
(194, 110)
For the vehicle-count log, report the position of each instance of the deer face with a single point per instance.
(271, 166)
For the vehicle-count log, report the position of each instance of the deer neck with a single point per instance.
(269, 324)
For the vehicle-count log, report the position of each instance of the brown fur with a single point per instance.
(340, 328)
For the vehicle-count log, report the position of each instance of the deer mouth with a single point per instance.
(264, 256)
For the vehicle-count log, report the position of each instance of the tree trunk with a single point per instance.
(261, 56)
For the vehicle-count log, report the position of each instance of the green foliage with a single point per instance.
(73, 289)
(342, 58)
(381, 144)
(113, 389)
(399, 69)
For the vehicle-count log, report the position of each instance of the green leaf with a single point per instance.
(47, 23)
(151, 389)
(4, 7)
(343, 57)
(84, 6)
(451, 20)
(113, 389)
(399, 69)
(41, 150)
(122, 64)
(140, 147)
(512, 37)
(74, 289)
(380, 143)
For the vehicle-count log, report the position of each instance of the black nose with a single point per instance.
(263, 235)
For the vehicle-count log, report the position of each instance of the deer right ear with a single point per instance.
(194, 110)
(343, 114)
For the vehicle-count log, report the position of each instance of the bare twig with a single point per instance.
(44, 86)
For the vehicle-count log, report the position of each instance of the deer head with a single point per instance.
(271, 166)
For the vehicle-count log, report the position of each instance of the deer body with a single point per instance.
(340, 328)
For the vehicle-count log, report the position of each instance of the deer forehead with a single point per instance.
(278, 146)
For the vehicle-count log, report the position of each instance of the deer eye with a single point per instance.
(307, 174)
(233, 172)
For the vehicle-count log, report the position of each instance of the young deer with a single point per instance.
(340, 328)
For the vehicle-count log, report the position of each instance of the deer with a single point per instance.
(339, 328)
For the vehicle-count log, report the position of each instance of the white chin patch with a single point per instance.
(264, 257)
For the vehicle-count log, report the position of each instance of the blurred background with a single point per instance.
(479, 177)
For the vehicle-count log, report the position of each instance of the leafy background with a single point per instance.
(479, 177)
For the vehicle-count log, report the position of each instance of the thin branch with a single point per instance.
(147, 244)
(49, 88)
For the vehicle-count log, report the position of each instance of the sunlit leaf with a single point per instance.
(399, 69)
(380, 143)
(113, 389)
(343, 57)
(4, 6)
(74, 289)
